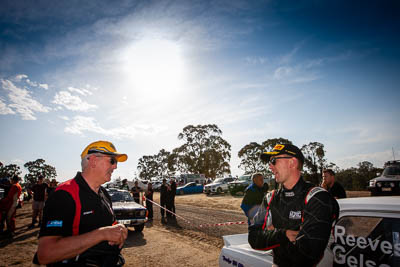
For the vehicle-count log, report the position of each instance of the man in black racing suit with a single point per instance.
(296, 220)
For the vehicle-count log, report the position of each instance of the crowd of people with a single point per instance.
(167, 197)
(14, 198)
(78, 226)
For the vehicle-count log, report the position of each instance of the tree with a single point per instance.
(269, 144)
(147, 167)
(366, 171)
(250, 155)
(161, 164)
(204, 151)
(314, 160)
(250, 158)
(38, 167)
(9, 170)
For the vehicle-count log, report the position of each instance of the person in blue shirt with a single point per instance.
(253, 196)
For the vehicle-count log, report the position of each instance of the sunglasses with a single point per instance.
(273, 160)
(112, 159)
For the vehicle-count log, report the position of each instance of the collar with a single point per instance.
(297, 188)
(83, 185)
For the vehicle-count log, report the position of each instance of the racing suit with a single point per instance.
(305, 208)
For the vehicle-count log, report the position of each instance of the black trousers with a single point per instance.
(164, 205)
(149, 207)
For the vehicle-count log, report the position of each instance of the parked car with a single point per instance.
(389, 182)
(189, 188)
(127, 211)
(141, 183)
(239, 185)
(218, 186)
(367, 233)
(157, 186)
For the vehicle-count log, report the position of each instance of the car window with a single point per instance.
(366, 241)
(120, 196)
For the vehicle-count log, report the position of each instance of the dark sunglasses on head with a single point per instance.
(273, 160)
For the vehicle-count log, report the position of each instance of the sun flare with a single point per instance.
(153, 68)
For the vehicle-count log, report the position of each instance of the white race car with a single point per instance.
(366, 234)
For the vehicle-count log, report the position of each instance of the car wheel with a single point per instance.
(181, 192)
(219, 190)
(139, 228)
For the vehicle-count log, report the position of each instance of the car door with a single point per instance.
(364, 241)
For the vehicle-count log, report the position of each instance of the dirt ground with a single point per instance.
(158, 245)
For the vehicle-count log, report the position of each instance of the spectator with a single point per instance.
(253, 196)
(124, 185)
(333, 187)
(296, 220)
(171, 193)
(52, 187)
(149, 204)
(136, 192)
(8, 206)
(80, 227)
(163, 198)
(5, 184)
(39, 191)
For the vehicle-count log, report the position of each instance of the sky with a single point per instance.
(137, 72)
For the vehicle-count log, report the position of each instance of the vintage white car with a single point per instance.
(366, 234)
(126, 210)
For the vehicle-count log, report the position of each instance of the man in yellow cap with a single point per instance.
(79, 226)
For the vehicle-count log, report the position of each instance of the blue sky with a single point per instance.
(137, 72)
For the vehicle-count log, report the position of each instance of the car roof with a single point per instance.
(370, 206)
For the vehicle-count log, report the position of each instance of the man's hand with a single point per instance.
(115, 235)
(291, 235)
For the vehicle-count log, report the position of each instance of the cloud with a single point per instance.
(80, 124)
(4, 109)
(285, 59)
(44, 86)
(71, 102)
(296, 74)
(20, 77)
(81, 91)
(64, 118)
(21, 101)
(256, 60)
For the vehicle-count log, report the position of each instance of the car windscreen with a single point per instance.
(121, 196)
(219, 180)
(395, 170)
(244, 178)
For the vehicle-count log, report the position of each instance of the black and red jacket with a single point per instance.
(74, 209)
(305, 208)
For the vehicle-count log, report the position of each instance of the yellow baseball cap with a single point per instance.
(104, 147)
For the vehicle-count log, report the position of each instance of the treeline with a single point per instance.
(205, 151)
(35, 169)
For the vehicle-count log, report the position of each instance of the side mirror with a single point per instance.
(378, 174)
